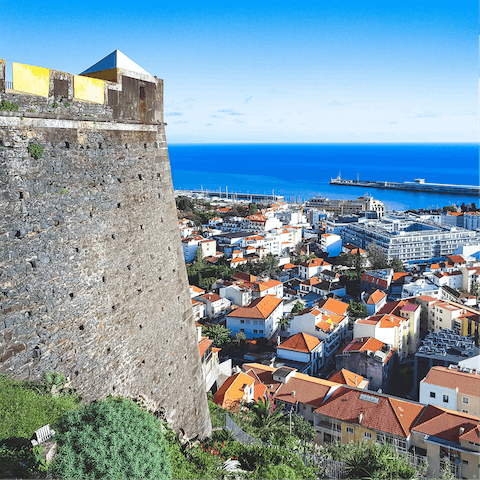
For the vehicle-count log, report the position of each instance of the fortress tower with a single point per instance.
(92, 277)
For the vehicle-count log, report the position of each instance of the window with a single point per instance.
(242, 321)
(465, 400)
(367, 435)
(242, 330)
(260, 331)
(349, 430)
(255, 331)
(465, 411)
(445, 398)
(432, 394)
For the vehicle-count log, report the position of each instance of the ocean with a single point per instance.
(301, 171)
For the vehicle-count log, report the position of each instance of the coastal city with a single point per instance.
(239, 241)
(312, 305)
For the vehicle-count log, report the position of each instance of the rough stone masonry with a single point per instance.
(92, 277)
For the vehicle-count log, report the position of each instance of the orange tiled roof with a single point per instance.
(387, 415)
(311, 281)
(323, 325)
(334, 306)
(456, 259)
(303, 390)
(288, 266)
(467, 383)
(364, 344)
(264, 373)
(212, 297)
(238, 260)
(300, 342)
(232, 390)
(346, 377)
(471, 435)
(259, 391)
(262, 286)
(244, 277)
(315, 262)
(427, 298)
(399, 276)
(444, 423)
(260, 308)
(313, 310)
(375, 297)
(197, 289)
(203, 344)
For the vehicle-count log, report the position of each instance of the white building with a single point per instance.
(215, 306)
(331, 244)
(408, 238)
(453, 388)
(303, 352)
(312, 268)
(260, 319)
(238, 295)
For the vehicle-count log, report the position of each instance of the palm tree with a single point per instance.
(284, 321)
(267, 420)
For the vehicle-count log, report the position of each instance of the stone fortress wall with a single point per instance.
(92, 278)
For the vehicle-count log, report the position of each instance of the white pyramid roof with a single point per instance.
(116, 59)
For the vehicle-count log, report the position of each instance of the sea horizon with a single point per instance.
(304, 169)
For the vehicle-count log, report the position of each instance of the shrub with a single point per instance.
(112, 438)
(9, 107)
(19, 459)
(35, 150)
(26, 407)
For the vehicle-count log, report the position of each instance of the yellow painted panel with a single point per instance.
(29, 79)
(88, 89)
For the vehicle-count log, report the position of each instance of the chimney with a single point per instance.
(360, 418)
(355, 380)
(461, 431)
(293, 393)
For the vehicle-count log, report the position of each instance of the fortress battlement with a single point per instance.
(92, 278)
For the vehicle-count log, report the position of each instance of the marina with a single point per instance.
(418, 185)
(219, 194)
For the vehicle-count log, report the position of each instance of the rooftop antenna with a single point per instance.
(358, 177)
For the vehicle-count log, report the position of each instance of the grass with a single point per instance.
(26, 407)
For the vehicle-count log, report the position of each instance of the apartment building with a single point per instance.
(454, 387)
(408, 238)
(260, 319)
(343, 207)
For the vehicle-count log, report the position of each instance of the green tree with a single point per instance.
(240, 338)
(252, 208)
(450, 208)
(303, 429)
(185, 204)
(298, 307)
(474, 288)
(357, 310)
(220, 335)
(284, 321)
(397, 265)
(376, 256)
(463, 207)
(267, 420)
(112, 438)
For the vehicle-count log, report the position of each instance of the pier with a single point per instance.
(418, 185)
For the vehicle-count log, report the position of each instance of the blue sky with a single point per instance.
(275, 72)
